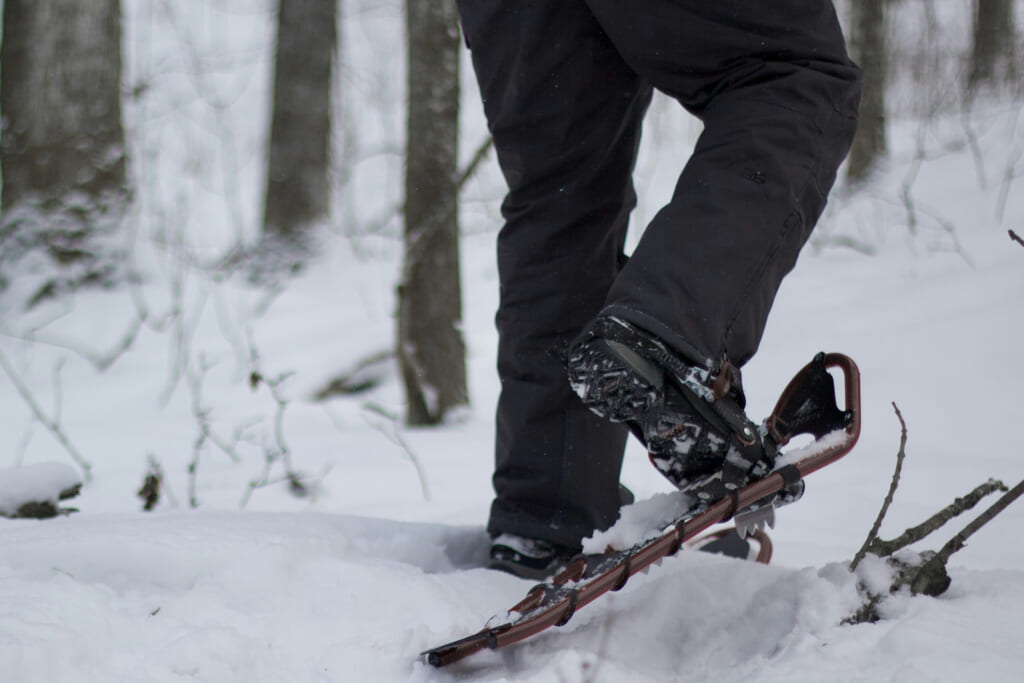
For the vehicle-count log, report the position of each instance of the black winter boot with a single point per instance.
(690, 418)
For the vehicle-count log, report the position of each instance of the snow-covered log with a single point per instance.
(35, 491)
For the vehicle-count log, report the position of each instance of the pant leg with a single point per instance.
(565, 112)
(778, 97)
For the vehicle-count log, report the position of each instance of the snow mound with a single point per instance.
(319, 597)
(44, 483)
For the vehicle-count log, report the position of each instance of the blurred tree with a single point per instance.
(994, 42)
(62, 147)
(430, 346)
(869, 48)
(298, 180)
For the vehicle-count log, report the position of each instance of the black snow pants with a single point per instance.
(565, 85)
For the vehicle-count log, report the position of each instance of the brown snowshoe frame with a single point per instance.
(806, 406)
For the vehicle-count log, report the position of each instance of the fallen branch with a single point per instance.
(960, 540)
(936, 521)
(924, 572)
(368, 373)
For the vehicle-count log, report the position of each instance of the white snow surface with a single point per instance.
(383, 557)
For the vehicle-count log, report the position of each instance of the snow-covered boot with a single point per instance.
(689, 417)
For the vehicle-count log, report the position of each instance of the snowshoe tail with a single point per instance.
(731, 542)
(807, 406)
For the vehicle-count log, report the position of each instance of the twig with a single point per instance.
(1016, 238)
(52, 425)
(908, 183)
(100, 361)
(165, 486)
(194, 379)
(936, 521)
(474, 163)
(957, 542)
(202, 414)
(932, 578)
(58, 391)
(280, 451)
(900, 456)
(395, 437)
(1010, 173)
(972, 144)
(282, 404)
(262, 480)
(193, 470)
(443, 211)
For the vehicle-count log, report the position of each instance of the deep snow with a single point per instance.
(373, 566)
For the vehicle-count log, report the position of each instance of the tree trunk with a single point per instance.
(61, 100)
(431, 350)
(868, 46)
(298, 180)
(62, 148)
(994, 41)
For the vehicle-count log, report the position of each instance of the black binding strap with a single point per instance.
(573, 602)
(790, 474)
(627, 569)
(677, 542)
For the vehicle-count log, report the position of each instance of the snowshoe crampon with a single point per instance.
(807, 406)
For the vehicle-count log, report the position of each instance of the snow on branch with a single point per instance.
(35, 491)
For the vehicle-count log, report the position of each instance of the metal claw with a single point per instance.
(750, 520)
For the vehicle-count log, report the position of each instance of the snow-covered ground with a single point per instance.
(377, 562)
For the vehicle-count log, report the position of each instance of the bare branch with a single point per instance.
(99, 360)
(1016, 238)
(900, 456)
(444, 211)
(1010, 173)
(395, 437)
(194, 379)
(202, 414)
(474, 163)
(52, 425)
(280, 450)
(975, 147)
(936, 521)
(957, 542)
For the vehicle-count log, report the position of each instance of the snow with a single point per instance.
(643, 520)
(352, 581)
(41, 483)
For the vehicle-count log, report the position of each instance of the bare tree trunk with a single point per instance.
(62, 148)
(868, 45)
(298, 180)
(994, 41)
(61, 100)
(431, 350)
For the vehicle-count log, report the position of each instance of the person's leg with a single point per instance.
(565, 112)
(778, 97)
